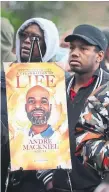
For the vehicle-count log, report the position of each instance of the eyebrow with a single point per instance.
(41, 98)
(30, 98)
(44, 98)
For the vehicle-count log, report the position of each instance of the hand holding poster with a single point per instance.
(37, 116)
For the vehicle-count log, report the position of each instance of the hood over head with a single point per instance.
(51, 37)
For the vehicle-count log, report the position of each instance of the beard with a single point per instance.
(38, 120)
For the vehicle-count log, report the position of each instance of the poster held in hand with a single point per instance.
(37, 116)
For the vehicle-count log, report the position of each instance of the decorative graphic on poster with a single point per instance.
(37, 116)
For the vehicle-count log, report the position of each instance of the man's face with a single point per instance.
(82, 57)
(37, 106)
(25, 43)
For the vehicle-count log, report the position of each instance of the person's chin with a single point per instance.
(24, 58)
(79, 71)
(76, 69)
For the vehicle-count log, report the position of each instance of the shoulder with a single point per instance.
(96, 110)
(68, 78)
(67, 75)
(102, 92)
(100, 98)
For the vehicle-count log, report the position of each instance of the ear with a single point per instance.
(100, 56)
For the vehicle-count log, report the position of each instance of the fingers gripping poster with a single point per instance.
(37, 116)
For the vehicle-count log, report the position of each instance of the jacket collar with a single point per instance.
(45, 134)
(98, 74)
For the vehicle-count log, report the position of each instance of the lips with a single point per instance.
(74, 62)
(25, 50)
(38, 113)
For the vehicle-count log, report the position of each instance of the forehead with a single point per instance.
(33, 28)
(38, 93)
(79, 41)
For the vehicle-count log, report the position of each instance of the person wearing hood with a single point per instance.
(47, 33)
(7, 38)
(42, 29)
(48, 36)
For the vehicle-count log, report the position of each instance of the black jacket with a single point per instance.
(103, 66)
(82, 178)
(4, 134)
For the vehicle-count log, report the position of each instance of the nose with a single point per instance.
(27, 40)
(75, 52)
(37, 105)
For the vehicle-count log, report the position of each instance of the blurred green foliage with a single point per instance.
(64, 14)
(13, 18)
(24, 10)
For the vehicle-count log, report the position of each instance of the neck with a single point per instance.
(39, 128)
(83, 78)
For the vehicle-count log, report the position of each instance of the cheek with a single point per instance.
(21, 44)
(69, 58)
(29, 108)
(42, 47)
(89, 59)
(46, 108)
(36, 51)
(93, 59)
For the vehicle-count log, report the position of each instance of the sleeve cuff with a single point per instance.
(47, 178)
(45, 175)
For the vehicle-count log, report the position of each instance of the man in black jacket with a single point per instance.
(87, 48)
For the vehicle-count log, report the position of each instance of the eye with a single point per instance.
(44, 101)
(23, 35)
(71, 47)
(84, 48)
(31, 101)
(38, 37)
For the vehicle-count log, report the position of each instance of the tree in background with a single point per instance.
(65, 14)
(19, 11)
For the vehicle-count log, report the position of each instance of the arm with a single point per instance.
(46, 177)
(97, 152)
(94, 120)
